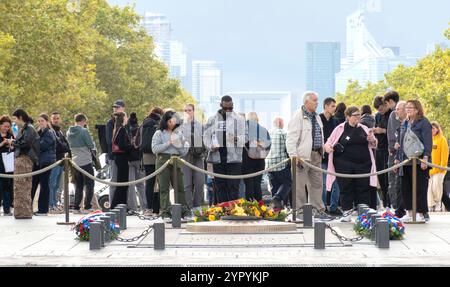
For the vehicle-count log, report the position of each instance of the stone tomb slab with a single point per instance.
(241, 227)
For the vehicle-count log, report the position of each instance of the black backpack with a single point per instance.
(146, 136)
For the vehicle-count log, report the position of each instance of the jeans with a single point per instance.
(6, 190)
(55, 179)
(335, 192)
(41, 180)
(134, 173)
(80, 182)
(281, 183)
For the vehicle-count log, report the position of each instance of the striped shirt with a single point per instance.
(278, 151)
(316, 130)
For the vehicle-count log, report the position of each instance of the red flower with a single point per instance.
(261, 203)
(228, 204)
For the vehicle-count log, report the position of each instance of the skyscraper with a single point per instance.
(366, 61)
(323, 61)
(159, 27)
(207, 85)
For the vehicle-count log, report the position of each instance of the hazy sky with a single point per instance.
(261, 43)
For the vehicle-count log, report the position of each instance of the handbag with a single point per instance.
(114, 147)
(412, 146)
(95, 161)
(8, 161)
(257, 152)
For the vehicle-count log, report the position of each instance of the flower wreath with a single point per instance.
(396, 227)
(83, 226)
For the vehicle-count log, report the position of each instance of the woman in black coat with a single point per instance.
(121, 148)
(47, 156)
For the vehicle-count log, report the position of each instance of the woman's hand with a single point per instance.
(370, 136)
(395, 163)
(328, 148)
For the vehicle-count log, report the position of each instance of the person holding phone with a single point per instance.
(350, 148)
(6, 184)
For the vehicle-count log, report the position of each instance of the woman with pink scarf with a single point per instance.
(350, 148)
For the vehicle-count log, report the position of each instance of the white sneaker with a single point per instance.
(347, 218)
(406, 218)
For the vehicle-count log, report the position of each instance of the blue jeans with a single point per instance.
(55, 179)
(335, 192)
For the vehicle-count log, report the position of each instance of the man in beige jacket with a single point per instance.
(305, 140)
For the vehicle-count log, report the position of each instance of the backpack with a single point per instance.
(146, 136)
(412, 146)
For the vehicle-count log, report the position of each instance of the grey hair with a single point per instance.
(401, 103)
(307, 96)
(276, 122)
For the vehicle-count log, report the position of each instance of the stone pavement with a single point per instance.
(41, 242)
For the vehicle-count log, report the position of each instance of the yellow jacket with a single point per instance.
(439, 155)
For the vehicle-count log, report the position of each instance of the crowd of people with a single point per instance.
(345, 140)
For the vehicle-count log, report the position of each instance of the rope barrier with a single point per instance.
(158, 171)
(232, 176)
(363, 175)
(30, 174)
(434, 165)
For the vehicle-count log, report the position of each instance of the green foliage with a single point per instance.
(428, 81)
(54, 59)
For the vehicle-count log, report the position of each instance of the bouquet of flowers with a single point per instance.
(396, 227)
(239, 207)
(83, 225)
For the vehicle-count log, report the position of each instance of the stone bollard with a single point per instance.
(374, 218)
(307, 215)
(116, 217)
(159, 233)
(382, 233)
(176, 215)
(361, 207)
(319, 235)
(102, 232)
(123, 216)
(95, 234)
(107, 229)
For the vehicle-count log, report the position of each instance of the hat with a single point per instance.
(119, 104)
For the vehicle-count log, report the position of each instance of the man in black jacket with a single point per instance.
(62, 147)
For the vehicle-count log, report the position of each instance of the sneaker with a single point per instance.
(426, 217)
(336, 212)
(40, 214)
(7, 214)
(406, 218)
(347, 218)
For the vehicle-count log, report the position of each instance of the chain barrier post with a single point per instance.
(66, 194)
(107, 227)
(102, 232)
(307, 215)
(294, 187)
(319, 235)
(373, 234)
(112, 217)
(123, 216)
(116, 217)
(382, 239)
(414, 188)
(175, 178)
(176, 215)
(95, 235)
(159, 238)
(361, 207)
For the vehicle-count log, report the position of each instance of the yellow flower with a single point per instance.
(211, 217)
(270, 213)
(218, 209)
(241, 201)
(257, 213)
(263, 208)
(195, 219)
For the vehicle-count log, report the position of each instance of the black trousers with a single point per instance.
(121, 193)
(82, 181)
(253, 185)
(281, 182)
(42, 180)
(6, 191)
(354, 191)
(382, 158)
(227, 189)
(152, 196)
(422, 188)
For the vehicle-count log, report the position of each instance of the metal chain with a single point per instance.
(136, 238)
(343, 238)
(143, 217)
